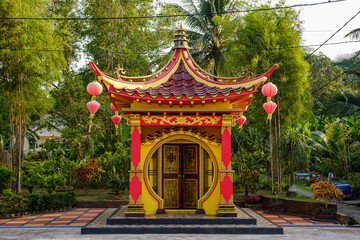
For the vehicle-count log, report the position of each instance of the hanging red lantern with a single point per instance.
(116, 119)
(94, 88)
(269, 90)
(269, 107)
(112, 106)
(93, 106)
(241, 121)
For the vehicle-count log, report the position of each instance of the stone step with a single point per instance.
(178, 229)
(180, 221)
(201, 224)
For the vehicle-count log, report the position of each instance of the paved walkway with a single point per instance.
(81, 216)
(73, 218)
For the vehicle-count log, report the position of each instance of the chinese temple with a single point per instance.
(181, 119)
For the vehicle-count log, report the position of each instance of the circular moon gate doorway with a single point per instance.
(181, 173)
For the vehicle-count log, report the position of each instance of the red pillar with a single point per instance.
(226, 207)
(135, 206)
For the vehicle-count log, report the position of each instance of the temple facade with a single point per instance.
(181, 119)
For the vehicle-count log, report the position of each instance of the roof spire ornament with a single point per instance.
(180, 39)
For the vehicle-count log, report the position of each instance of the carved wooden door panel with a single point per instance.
(180, 176)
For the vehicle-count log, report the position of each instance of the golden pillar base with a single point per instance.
(135, 210)
(226, 211)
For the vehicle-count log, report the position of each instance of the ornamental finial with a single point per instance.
(180, 39)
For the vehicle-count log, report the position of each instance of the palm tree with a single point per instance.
(293, 149)
(347, 104)
(207, 36)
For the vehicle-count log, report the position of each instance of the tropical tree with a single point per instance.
(293, 149)
(31, 60)
(207, 36)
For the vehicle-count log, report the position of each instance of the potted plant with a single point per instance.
(324, 190)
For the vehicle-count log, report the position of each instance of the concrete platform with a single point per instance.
(113, 221)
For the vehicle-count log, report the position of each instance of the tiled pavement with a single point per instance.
(81, 216)
(73, 218)
(285, 220)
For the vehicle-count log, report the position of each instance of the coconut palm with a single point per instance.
(206, 36)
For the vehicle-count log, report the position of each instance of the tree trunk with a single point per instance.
(291, 171)
(17, 146)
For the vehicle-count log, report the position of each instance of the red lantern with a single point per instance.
(269, 107)
(116, 119)
(241, 121)
(269, 90)
(94, 88)
(112, 106)
(93, 106)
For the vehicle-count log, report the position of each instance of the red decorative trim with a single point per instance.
(169, 68)
(166, 131)
(226, 148)
(226, 188)
(135, 147)
(135, 189)
(161, 120)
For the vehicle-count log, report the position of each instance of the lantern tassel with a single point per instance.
(269, 117)
(116, 129)
(93, 97)
(268, 99)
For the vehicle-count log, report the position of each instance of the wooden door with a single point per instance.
(180, 176)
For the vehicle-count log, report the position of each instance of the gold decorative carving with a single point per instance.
(222, 200)
(190, 158)
(222, 176)
(191, 193)
(171, 193)
(181, 120)
(171, 159)
(131, 200)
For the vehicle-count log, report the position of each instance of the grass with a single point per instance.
(98, 195)
(302, 186)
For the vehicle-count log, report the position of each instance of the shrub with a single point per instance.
(5, 177)
(117, 185)
(326, 191)
(252, 199)
(31, 177)
(3, 209)
(50, 183)
(249, 180)
(35, 202)
(88, 172)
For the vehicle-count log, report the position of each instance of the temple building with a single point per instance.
(181, 119)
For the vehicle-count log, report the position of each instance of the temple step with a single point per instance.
(253, 223)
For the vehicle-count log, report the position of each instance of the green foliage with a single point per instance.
(52, 182)
(117, 185)
(249, 180)
(31, 177)
(6, 176)
(88, 172)
(326, 191)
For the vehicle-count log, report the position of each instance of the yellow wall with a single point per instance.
(210, 205)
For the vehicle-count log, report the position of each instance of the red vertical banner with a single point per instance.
(226, 184)
(135, 172)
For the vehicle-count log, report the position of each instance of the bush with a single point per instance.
(252, 199)
(326, 191)
(5, 177)
(3, 209)
(50, 183)
(35, 202)
(249, 180)
(117, 185)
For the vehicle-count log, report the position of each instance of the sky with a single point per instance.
(322, 21)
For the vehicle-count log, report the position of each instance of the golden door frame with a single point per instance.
(172, 138)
